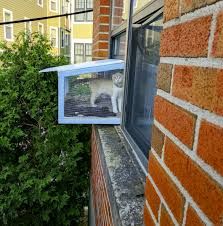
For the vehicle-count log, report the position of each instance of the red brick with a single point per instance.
(178, 121)
(165, 219)
(157, 140)
(105, 10)
(152, 198)
(164, 77)
(170, 192)
(189, 39)
(200, 86)
(104, 28)
(192, 218)
(104, 2)
(190, 5)
(148, 221)
(171, 9)
(210, 145)
(104, 19)
(204, 191)
(217, 49)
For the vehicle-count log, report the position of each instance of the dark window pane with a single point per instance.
(142, 83)
(118, 46)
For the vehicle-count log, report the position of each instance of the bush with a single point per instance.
(44, 166)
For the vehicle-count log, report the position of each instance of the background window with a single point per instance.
(62, 38)
(40, 2)
(28, 25)
(78, 53)
(53, 36)
(81, 5)
(8, 28)
(53, 5)
(40, 28)
(88, 52)
(141, 83)
(82, 52)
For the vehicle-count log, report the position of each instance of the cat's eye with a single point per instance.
(90, 93)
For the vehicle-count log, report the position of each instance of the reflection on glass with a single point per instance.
(95, 94)
(118, 45)
(142, 83)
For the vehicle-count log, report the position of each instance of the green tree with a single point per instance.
(44, 167)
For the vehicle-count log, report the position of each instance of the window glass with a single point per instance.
(78, 53)
(53, 5)
(40, 28)
(118, 46)
(62, 38)
(40, 2)
(53, 37)
(88, 52)
(79, 6)
(141, 83)
(8, 27)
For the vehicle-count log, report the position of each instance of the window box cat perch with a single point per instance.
(91, 92)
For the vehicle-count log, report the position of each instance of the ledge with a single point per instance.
(124, 177)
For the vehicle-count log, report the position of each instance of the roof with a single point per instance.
(87, 67)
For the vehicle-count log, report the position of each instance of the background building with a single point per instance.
(81, 32)
(57, 29)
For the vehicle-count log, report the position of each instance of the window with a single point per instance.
(53, 37)
(141, 67)
(53, 5)
(8, 28)
(81, 5)
(82, 52)
(118, 45)
(28, 25)
(41, 28)
(88, 52)
(40, 3)
(62, 38)
(67, 39)
(78, 53)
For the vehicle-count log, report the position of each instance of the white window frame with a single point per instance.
(41, 5)
(11, 25)
(30, 25)
(56, 1)
(42, 29)
(54, 28)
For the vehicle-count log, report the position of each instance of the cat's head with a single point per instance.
(118, 79)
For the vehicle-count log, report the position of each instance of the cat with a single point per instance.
(114, 88)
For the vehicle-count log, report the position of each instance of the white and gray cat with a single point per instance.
(114, 88)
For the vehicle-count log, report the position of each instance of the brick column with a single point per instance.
(185, 173)
(101, 29)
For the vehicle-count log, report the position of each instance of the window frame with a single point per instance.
(8, 25)
(51, 10)
(29, 25)
(85, 16)
(42, 29)
(56, 29)
(39, 4)
(62, 38)
(143, 16)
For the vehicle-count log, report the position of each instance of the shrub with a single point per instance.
(44, 166)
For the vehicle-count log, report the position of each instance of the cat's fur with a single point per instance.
(114, 88)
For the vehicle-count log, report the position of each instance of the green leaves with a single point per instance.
(44, 166)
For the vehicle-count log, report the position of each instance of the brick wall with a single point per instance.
(185, 172)
(101, 29)
(102, 208)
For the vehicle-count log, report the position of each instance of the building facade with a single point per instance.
(57, 29)
(81, 33)
(163, 165)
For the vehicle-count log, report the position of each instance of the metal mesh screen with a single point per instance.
(96, 94)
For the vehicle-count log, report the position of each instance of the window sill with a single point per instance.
(123, 174)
